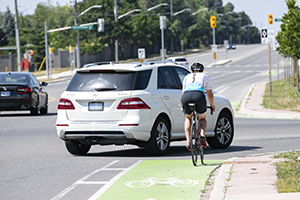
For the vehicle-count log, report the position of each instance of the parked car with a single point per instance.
(231, 46)
(22, 91)
(133, 104)
(179, 60)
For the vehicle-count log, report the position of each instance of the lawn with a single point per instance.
(284, 96)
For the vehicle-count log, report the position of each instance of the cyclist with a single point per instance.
(193, 87)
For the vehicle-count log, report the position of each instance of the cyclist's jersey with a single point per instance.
(191, 80)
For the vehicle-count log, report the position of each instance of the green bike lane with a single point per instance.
(162, 179)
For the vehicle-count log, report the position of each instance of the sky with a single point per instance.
(257, 10)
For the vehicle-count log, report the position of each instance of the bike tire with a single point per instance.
(194, 149)
(201, 150)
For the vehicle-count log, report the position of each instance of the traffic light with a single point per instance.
(51, 50)
(270, 19)
(100, 25)
(70, 49)
(213, 21)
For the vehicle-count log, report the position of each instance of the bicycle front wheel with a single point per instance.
(194, 147)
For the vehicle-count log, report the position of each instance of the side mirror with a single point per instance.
(43, 84)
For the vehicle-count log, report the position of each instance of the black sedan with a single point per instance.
(22, 91)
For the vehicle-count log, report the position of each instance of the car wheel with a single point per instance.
(34, 110)
(44, 110)
(159, 141)
(223, 132)
(77, 148)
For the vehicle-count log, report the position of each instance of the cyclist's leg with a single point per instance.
(187, 127)
(202, 127)
(202, 124)
(185, 99)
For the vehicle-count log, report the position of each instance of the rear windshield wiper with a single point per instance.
(105, 89)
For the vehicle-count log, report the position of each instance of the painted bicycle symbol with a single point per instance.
(166, 181)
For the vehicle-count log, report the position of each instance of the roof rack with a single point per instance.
(99, 63)
(153, 62)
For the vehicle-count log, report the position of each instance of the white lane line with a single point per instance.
(224, 89)
(114, 179)
(80, 181)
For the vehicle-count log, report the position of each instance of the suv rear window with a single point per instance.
(105, 81)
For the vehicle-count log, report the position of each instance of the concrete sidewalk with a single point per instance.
(254, 177)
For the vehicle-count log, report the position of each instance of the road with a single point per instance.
(35, 164)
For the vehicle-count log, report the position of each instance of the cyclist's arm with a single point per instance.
(210, 96)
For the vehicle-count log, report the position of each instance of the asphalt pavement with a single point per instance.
(243, 178)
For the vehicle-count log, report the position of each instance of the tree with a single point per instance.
(8, 24)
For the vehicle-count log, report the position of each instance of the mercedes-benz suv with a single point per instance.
(133, 104)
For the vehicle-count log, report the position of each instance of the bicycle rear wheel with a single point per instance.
(194, 147)
(201, 154)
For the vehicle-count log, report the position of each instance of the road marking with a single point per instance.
(112, 181)
(169, 174)
(106, 184)
(166, 181)
(51, 99)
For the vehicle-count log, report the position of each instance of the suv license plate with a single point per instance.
(96, 106)
(5, 93)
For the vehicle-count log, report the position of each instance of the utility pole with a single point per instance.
(77, 39)
(46, 51)
(171, 16)
(17, 35)
(116, 41)
(146, 6)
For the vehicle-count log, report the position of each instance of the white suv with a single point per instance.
(133, 104)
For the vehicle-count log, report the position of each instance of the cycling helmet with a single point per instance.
(197, 67)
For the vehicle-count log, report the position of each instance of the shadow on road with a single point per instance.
(174, 151)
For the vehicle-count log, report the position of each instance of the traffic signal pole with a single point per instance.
(213, 24)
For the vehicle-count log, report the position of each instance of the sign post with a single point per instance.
(141, 54)
(268, 37)
(213, 25)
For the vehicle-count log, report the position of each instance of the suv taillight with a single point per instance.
(133, 103)
(23, 90)
(65, 104)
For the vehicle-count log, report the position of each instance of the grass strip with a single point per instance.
(284, 96)
(288, 172)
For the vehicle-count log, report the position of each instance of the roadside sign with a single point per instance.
(278, 19)
(141, 53)
(271, 35)
(87, 27)
(163, 22)
(214, 48)
(264, 36)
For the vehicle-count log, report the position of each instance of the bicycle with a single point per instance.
(196, 148)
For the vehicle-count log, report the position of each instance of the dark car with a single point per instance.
(231, 46)
(22, 91)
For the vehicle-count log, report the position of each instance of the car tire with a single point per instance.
(159, 141)
(77, 148)
(34, 111)
(44, 110)
(224, 132)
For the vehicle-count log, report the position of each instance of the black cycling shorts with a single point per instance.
(193, 97)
